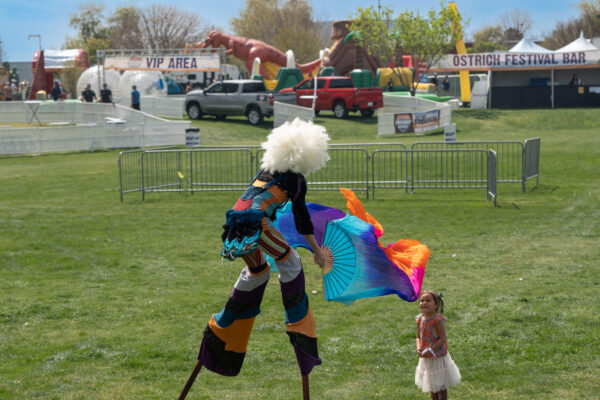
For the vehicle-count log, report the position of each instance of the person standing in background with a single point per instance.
(106, 95)
(56, 92)
(446, 85)
(135, 98)
(23, 90)
(7, 92)
(435, 83)
(88, 95)
(15, 90)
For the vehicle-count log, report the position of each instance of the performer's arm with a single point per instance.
(303, 222)
(319, 257)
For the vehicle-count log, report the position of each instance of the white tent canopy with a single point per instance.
(527, 46)
(579, 44)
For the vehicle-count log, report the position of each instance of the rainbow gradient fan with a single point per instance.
(358, 265)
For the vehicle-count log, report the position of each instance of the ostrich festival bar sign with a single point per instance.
(181, 62)
(507, 61)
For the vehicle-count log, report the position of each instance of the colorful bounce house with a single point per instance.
(344, 58)
(48, 65)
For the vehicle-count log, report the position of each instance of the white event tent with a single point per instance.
(579, 44)
(527, 46)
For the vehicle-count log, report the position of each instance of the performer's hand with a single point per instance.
(319, 258)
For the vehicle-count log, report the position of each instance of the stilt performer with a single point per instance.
(292, 151)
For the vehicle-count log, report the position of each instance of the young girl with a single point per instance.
(436, 371)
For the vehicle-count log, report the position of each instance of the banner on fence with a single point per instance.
(417, 122)
(182, 62)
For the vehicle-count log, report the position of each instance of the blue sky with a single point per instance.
(50, 18)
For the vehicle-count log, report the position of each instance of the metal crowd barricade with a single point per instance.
(531, 160)
(389, 169)
(434, 168)
(196, 170)
(130, 170)
(221, 168)
(492, 176)
(348, 167)
(448, 169)
(510, 155)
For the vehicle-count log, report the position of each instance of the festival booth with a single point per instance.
(530, 76)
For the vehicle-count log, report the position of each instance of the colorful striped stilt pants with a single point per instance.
(226, 336)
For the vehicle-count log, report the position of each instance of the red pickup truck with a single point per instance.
(338, 94)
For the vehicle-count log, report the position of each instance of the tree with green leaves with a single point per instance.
(425, 38)
(287, 25)
(565, 32)
(92, 34)
(488, 39)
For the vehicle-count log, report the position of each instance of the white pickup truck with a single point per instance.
(236, 97)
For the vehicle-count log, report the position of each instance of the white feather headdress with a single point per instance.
(296, 146)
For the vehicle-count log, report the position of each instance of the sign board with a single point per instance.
(507, 61)
(426, 121)
(403, 123)
(192, 137)
(182, 62)
(417, 122)
(450, 133)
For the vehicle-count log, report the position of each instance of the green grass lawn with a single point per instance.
(107, 300)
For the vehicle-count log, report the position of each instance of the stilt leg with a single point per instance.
(305, 388)
(190, 381)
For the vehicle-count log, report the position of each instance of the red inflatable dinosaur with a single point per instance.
(248, 49)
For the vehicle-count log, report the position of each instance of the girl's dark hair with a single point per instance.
(437, 298)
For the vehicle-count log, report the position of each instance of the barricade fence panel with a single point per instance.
(510, 155)
(389, 169)
(531, 160)
(360, 167)
(130, 171)
(195, 170)
(348, 167)
(161, 171)
(492, 176)
(370, 147)
(443, 168)
(221, 169)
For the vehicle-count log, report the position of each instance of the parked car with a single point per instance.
(235, 97)
(338, 94)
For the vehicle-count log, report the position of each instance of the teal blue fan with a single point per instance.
(357, 267)
(341, 253)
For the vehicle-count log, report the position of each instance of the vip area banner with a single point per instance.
(503, 61)
(182, 62)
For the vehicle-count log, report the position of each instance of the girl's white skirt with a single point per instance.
(436, 374)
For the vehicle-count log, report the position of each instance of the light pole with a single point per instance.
(39, 39)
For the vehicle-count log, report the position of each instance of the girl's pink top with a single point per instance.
(429, 335)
